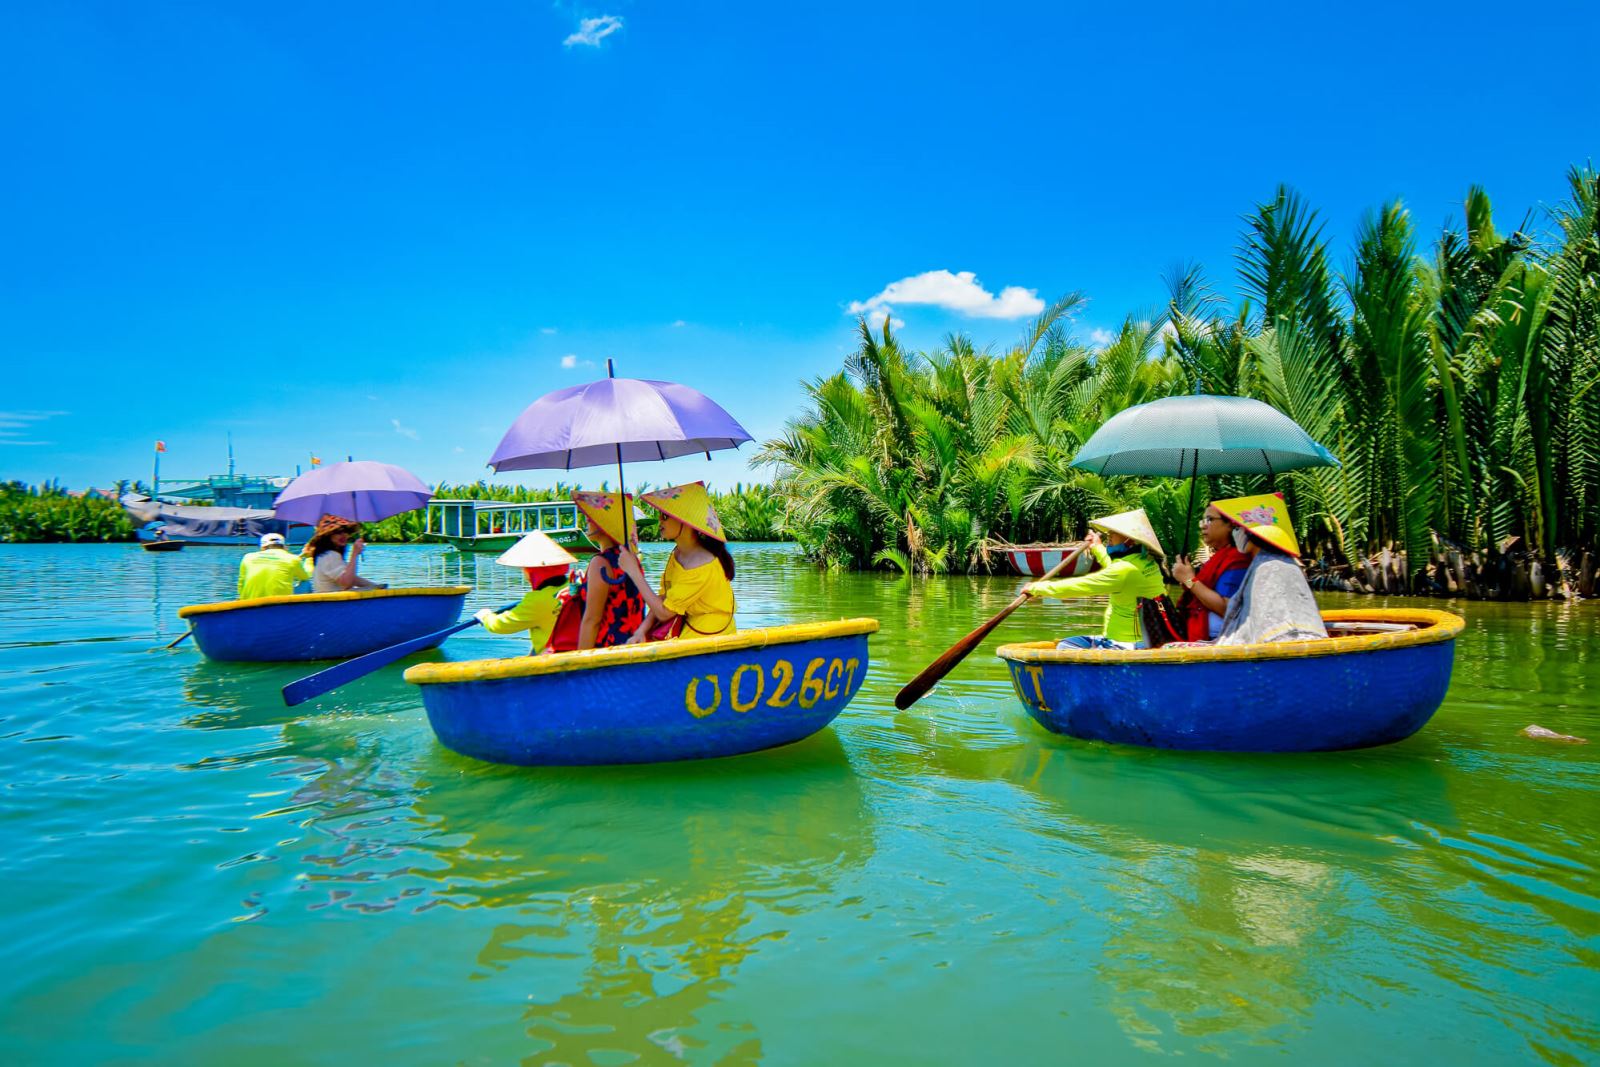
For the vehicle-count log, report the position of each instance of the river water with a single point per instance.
(192, 873)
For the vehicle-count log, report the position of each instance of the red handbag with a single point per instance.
(666, 631)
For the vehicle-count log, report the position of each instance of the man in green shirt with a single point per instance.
(271, 571)
(1127, 572)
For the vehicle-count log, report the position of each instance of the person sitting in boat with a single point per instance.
(548, 567)
(1274, 602)
(272, 571)
(1206, 592)
(697, 585)
(335, 557)
(1128, 570)
(612, 592)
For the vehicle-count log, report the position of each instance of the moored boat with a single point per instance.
(1377, 681)
(314, 626)
(673, 700)
(161, 546)
(1035, 561)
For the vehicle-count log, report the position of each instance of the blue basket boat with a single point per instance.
(675, 700)
(321, 625)
(1378, 680)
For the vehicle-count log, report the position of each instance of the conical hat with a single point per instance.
(1134, 525)
(536, 550)
(689, 504)
(606, 510)
(1266, 516)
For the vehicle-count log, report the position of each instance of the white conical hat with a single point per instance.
(536, 550)
(1134, 525)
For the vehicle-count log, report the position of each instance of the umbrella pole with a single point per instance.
(1188, 513)
(622, 484)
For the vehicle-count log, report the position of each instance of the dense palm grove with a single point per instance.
(1459, 385)
(50, 513)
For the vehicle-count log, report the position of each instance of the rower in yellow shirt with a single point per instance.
(697, 585)
(547, 566)
(272, 571)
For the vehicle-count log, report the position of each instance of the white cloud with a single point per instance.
(459, 450)
(679, 322)
(592, 31)
(547, 329)
(954, 292)
(404, 431)
(16, 426)
(875, 319)
(1100, 338)
(570, 361)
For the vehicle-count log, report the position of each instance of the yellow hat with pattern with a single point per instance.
(1135, 526)
(607, 511)
(689, 504)
(536, 550)
(1265, 516)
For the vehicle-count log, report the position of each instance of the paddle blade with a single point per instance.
(934, 672)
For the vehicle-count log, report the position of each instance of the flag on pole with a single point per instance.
(161, 446)
(315, 462)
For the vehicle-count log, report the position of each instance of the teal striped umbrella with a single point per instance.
(1187, 436)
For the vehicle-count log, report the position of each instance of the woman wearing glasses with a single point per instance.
(1206, 591)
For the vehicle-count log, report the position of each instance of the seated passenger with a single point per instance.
(547, 566)
(272, 571)
(1207, 592)
(328, 548)
(1273, 603)
(696, 586)
(612, 592)
(1128, 571)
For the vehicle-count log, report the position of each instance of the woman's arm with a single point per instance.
(1209, 598)
(347, 577)
(633, 569)
(596, 592)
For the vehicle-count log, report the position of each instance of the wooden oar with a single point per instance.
(918, 687)
(314, 685)
(187, 633)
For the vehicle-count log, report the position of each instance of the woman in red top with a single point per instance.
(1206, 593)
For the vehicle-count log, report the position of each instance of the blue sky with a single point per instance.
(380, 230)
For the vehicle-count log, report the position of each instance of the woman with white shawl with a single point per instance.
(1273, 603)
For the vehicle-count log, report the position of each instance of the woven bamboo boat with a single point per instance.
(674, 700)
(321, 625)
(1378, 681)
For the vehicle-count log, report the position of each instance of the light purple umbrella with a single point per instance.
(615, 420)
(361, 490)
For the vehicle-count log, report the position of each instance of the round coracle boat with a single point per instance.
(311, 626)
(685, 699)
(1377, 679)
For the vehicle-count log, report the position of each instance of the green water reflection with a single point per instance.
(195, 873)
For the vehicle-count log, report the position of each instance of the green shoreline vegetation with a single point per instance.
(49, 513)
(1460, 390)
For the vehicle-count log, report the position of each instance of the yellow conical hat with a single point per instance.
(1266, 516)
(689, 504)
(1134, 525)
(606, 509)
(536, 550)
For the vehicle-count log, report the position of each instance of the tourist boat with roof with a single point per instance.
(691, 698)
(1378, 678)
(316, 626)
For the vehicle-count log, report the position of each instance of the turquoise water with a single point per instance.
(192, 873)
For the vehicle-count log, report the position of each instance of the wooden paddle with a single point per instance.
(187, 633)
(931, 675)
(314, 685)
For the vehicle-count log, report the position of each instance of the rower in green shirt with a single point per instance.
(271, 571)
(1127, 572)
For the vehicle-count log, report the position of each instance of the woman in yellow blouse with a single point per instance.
(697, 584)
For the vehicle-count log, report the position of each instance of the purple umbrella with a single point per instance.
(360, 490)
(615, 420)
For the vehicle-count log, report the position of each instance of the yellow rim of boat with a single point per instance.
(1434, 627)
(484, 670)
(321, 598)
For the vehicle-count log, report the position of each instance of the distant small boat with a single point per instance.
(674, 700)
(494, 526)
(1035, 561)
(162, 546)
(312, 626)
(1378, 680)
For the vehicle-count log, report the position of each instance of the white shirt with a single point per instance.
(325, 576)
